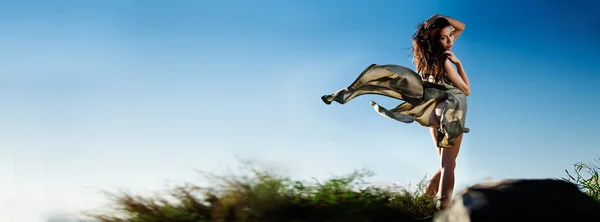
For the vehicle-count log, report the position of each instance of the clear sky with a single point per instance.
(103, 95)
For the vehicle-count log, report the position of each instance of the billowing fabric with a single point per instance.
(420, 98)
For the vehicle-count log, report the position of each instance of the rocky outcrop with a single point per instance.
(521, 200)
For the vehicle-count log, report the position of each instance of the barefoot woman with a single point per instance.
(434, 95)
(437, 64)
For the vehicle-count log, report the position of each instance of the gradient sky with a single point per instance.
(104, 95)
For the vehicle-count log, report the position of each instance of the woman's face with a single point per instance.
(446, 37)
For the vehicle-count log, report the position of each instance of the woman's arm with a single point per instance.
(457, 76)
(463, 75)
(458, 26)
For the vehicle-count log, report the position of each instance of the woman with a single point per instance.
(437, 64)
(434, 95)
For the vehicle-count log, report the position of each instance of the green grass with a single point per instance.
(586, 175)
(260, 195)
(264, 196)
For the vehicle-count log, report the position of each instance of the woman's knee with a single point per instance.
(448, 167)
(447, 164)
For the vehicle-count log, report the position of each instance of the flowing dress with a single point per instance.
(419, 99)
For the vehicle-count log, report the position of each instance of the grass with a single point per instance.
(260, 195)
(586, 175)
(265, 196)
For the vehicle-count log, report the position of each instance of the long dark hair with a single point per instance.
(428, 52)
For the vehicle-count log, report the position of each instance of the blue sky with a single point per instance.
(103, 95)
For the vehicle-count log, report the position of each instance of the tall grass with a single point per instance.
(264, 196)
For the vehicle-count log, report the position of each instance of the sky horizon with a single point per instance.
(137, 96)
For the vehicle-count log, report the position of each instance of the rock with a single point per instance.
(521, 200)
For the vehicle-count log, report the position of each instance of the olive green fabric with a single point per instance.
(420, 98)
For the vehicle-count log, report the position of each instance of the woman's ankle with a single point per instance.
(442, 202)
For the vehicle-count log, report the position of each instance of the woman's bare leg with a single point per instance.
(434, 182)
(445, 180)
(448, 164)
(432, 187)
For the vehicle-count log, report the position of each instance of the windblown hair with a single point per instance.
(428, 52)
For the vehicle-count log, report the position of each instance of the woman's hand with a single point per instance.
(431, 20)
(450, 55)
